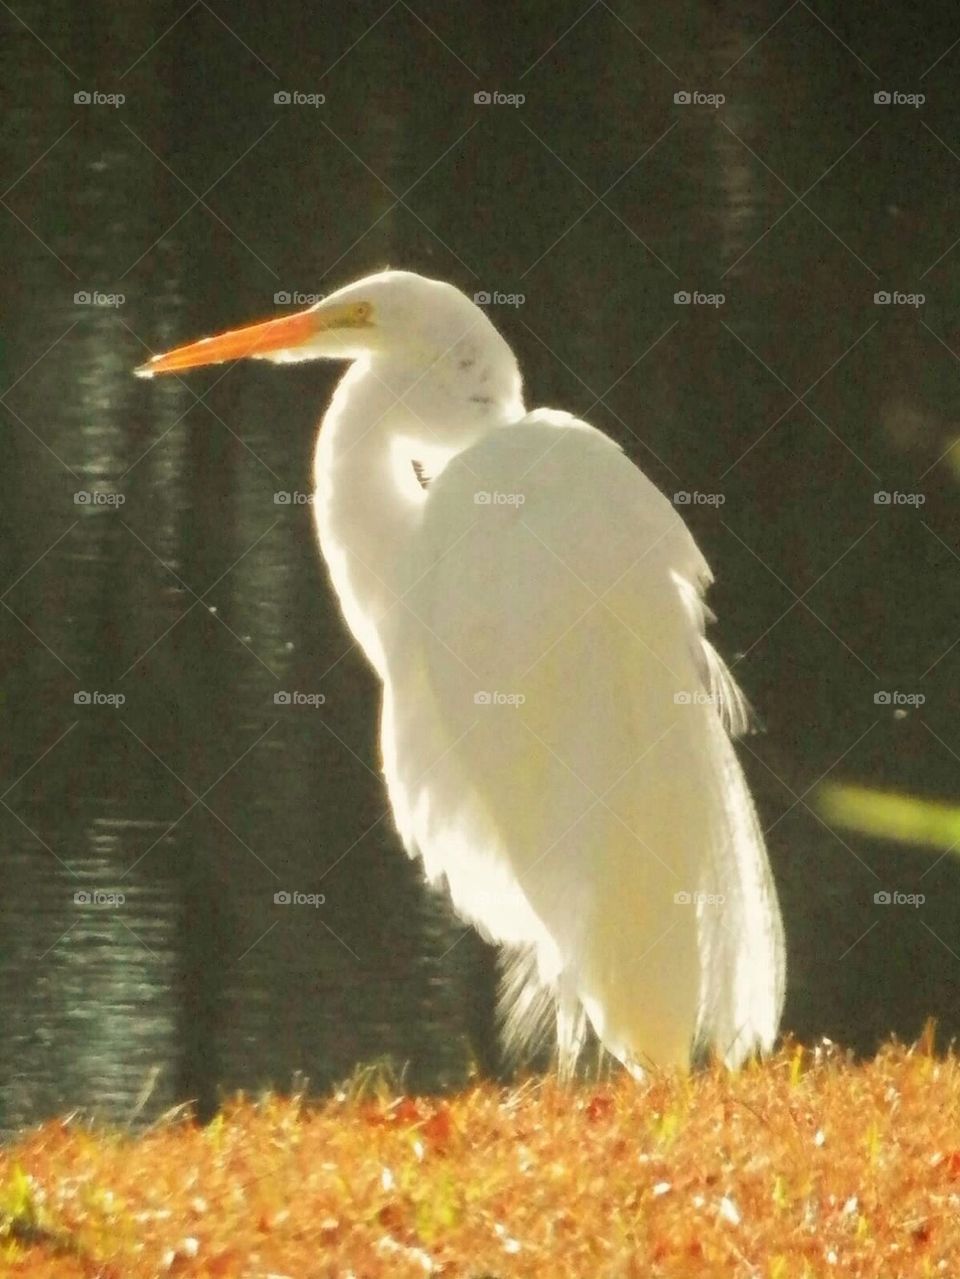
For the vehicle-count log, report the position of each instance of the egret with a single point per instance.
(556, 730)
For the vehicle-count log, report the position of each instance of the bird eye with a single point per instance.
(361, 312)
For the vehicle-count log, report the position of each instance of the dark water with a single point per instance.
(199, 596)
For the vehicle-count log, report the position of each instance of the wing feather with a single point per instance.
(556, 746)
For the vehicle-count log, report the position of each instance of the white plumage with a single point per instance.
(556, 728)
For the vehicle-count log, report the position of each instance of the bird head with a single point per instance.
(394, 315)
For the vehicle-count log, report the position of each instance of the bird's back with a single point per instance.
(552, 749)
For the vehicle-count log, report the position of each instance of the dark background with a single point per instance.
(598, 198)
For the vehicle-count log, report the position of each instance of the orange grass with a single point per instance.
(806, 1165)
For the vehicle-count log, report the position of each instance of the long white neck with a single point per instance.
(369, 502)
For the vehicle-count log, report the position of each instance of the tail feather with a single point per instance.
(527, 1004)
(739, 938)
(742, 946)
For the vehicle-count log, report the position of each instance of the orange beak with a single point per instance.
(255, 339)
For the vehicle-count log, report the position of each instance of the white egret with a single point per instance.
(556, 729)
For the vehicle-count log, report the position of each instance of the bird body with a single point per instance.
(555, 726)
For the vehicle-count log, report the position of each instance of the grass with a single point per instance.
(807, 1165)
(905, 819)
